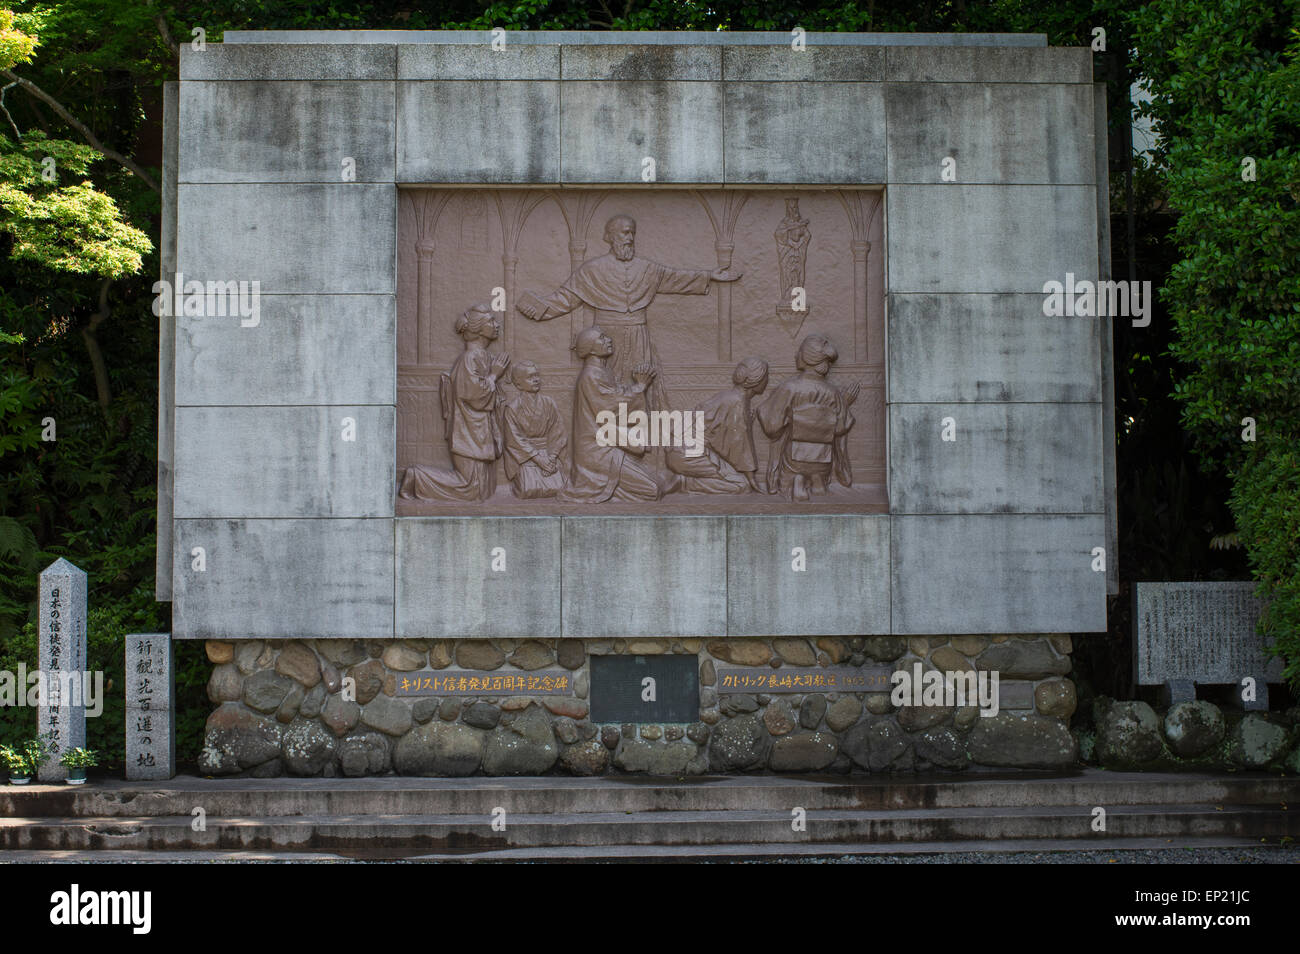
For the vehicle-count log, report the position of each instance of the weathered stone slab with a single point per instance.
(936, 63)
(776, 132)
(1203, 632)
(289, 237)
(819, 62)
(824, 679)
(990, 238)
(480, 131)
(287, 131)
(608, 129)
(306, 349)
(843, 588)
(997, 573)
(150, 707)
(448, 682)
(1003, 458)
(61, 655)
(285, 461)
(284, 579)
(447, 584)
(988, 348)
(445, 61)
(644, 576)
(640, 62)
(994, 133)
(315, 59)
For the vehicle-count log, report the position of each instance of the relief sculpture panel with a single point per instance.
(618, 351)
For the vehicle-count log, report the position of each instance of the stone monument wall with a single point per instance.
(937, 183)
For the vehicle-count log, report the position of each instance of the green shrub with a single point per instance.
(79, 758)
(1225, 76)
(24, 758)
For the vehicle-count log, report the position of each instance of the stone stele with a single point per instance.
(62, 656)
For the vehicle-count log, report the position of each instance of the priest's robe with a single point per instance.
(618, 294)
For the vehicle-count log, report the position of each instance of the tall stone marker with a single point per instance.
(62, 657)
(1189, 633)
(150, 707)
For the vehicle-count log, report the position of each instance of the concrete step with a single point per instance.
(1106, 848)
(272, 798)
(394, 836)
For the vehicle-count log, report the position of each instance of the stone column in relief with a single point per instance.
(724, 253)
(861, 209)
(513, 211)
(62, 657)
(861, 254)
(580, 317)
(150, 707)
(427, 206)
(424, 251)
(723, 212)
(510, 265)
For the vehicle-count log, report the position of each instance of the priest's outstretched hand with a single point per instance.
(530, 306)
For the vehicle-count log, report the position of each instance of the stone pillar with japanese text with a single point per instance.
(150, 707)
(62, 658)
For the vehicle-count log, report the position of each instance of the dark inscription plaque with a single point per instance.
(431, 682)
(830, 679)
(619, 689)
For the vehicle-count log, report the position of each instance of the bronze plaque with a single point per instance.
(441, 682)
(630, 351)
(829, 679)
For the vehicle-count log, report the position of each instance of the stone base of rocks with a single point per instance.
(281, 710)
(1193, 735)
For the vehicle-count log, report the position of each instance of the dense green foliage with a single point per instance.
(1226, 81)
(69, 228)
(77, 391)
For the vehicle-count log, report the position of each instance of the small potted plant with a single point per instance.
(23, 760)
(15, 763)
(76, 761)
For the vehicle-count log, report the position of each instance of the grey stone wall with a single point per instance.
(281, 710)
(294, 526)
